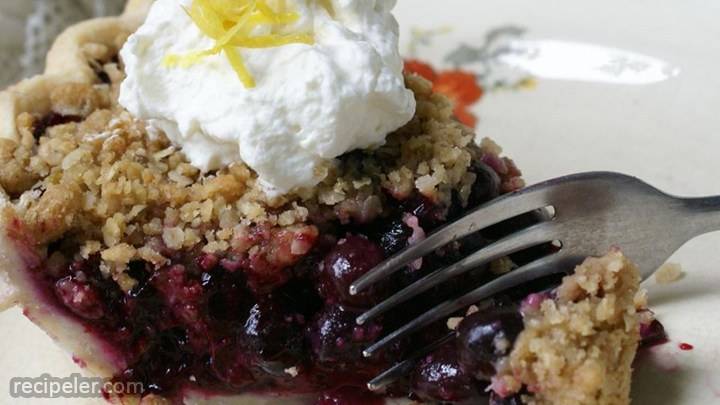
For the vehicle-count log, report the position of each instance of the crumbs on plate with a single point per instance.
(669, 273)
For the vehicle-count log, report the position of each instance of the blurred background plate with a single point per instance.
(568, 86)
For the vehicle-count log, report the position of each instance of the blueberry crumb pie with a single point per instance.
(185, 201)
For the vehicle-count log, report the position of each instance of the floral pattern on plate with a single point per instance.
(473, 69)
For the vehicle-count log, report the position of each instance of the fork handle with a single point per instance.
(704, 213)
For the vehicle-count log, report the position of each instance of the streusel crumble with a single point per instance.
(92, 174)
(577, 345)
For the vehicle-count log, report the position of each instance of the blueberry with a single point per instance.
(80, 297)
(486, 186)
(346, 262)
(652, 334)
(228, 297)
(229, 364)
(301, 295)
(430, 213)
(88, 293)
(164, 362)
(273, 337)
(394, 236)
(140, 271)
(337, 341)
(439, 377)
(484, 338)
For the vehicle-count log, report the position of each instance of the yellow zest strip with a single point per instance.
(238, 64)
(231, 24)
(276, 18)
(193, 58)
(241, 24)
(228, 9)
(189, 59)
(206, 19)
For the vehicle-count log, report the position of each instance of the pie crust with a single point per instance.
(66, 62)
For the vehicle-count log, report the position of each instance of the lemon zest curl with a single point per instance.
(233, 24)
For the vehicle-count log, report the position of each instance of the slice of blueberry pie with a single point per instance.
(186, 201)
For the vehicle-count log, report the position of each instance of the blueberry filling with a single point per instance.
(349, 259)
(440, 377)
(229, 323)
(273, 322)
(652, 334)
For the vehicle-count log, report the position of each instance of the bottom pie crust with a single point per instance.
(24, 291)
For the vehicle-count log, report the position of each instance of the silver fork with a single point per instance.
(589, 213)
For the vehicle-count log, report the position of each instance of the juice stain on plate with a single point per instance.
(686, 346)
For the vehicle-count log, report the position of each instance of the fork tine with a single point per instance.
(496, 211)
(398, 370)
(528, 237)
(541, 267)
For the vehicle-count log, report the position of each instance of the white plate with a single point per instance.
(625, 86)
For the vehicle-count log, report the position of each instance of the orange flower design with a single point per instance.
(459, 86)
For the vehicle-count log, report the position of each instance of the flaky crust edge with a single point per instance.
(65, 63)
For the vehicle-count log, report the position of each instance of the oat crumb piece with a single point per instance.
(452, 323)
(472, 309)
(291, 371)
(669, 273)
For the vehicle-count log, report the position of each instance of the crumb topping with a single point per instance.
(93, 179)
(669, 273)
(579, 347)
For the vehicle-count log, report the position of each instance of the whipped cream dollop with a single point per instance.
(311, 103)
